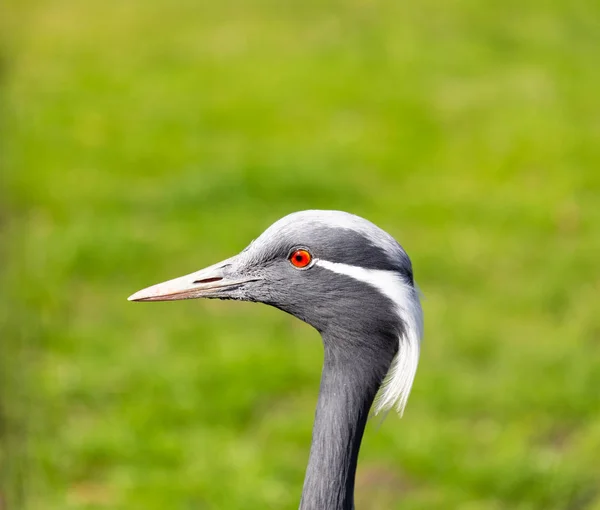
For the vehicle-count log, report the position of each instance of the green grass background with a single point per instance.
(142, 140)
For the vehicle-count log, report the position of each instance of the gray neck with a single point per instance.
(349, 382)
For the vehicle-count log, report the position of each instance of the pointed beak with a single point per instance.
(211, 282)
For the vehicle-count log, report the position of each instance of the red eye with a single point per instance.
(300, 258)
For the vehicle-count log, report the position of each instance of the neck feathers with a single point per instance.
(350, 380)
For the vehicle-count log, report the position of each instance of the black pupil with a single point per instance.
(299, 258)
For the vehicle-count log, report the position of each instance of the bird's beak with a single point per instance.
(212, 281)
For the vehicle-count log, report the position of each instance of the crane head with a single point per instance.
(338, 272)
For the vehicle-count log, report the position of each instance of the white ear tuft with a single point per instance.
(396, 387)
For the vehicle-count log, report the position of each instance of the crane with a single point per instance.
(354, 283)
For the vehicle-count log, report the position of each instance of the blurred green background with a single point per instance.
(142, 140)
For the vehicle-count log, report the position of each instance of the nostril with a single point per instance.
(210, 280)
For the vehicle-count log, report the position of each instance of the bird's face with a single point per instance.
(312, 264)
(339, 273)
(321, 266)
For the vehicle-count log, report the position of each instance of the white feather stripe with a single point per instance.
(397, 384)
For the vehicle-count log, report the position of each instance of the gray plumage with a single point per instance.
(358, 292)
